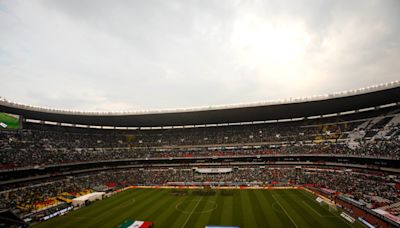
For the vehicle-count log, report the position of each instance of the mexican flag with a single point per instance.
(135, 224)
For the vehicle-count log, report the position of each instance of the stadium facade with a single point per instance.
(351, 137)
(290, 109)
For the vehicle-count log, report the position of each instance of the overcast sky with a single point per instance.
(138, 55)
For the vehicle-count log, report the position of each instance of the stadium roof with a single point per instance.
(374, 96)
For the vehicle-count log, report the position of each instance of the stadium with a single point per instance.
(199, 114)
(324, 161)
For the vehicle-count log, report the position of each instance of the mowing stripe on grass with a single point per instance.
(114, 214)
(314, 204)
(303, 215)
(191, 213)
(316, 212)
(85, 215)
(342, 220)
(205, 210)
(265, 203)
(106, 204)
(278, 214)
(261, 219)
(146, 201)
(290, 203)
(183, 213)
(110, 203)
(277, 201)
(161, 208)
(245, 208)
(171, 215)
(227, 211)
(327, 210)
(308, 197)
(248, 215)
(216, 215)
(236, 210)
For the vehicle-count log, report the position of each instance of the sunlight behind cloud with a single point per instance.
(175, 54)
(273, 49)
(258, 40)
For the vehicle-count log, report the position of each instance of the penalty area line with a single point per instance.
(309, 206)
(291, 219)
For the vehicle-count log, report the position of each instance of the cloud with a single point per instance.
(130, 55)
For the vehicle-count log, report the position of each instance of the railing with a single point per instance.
(369, 89)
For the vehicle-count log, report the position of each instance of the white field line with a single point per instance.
(291, 219)
(335, 215)
(191, 213)
(327, 216)
(308, 194)
(312, 208)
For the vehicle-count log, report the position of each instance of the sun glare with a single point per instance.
(259, 42)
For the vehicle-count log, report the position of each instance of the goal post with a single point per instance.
(332, 207)
(330, 204)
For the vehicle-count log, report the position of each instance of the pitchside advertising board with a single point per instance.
(9, 121)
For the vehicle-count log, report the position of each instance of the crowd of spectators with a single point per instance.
(39, 145)
(364, 187)
(25, 196)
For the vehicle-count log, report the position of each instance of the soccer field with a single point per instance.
(243, 208)
(11, 121)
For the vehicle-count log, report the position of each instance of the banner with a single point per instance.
(3, 125)
(387, 215)
(214, 170)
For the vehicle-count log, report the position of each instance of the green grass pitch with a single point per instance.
(11, 121)
(245, 208)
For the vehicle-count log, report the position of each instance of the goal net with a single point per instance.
(327, 203)
(332, 207)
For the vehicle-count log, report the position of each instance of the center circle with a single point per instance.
(208, 206)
